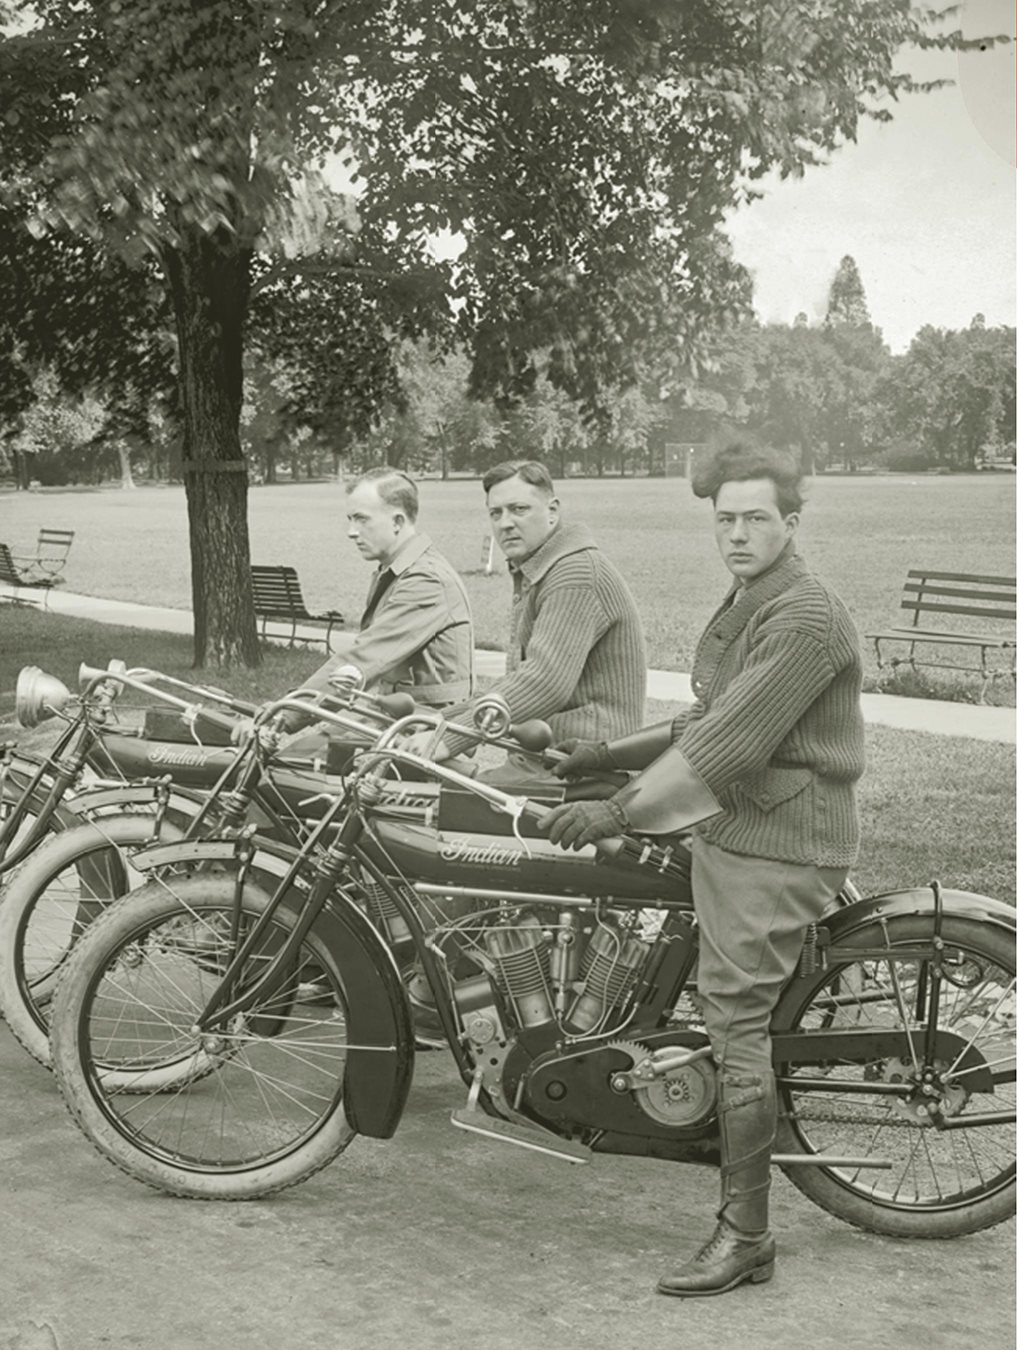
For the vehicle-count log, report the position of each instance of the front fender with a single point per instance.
(379, 1066)
(182, 804)
(918, 901)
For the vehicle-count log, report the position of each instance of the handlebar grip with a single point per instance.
(238, 705)
(534, 735)
(396, 705)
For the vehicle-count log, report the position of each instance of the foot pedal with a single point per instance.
(507, 1132)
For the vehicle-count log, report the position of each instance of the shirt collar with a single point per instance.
(743, 601)
(407, 553)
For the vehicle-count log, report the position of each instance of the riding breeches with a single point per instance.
(752, 914)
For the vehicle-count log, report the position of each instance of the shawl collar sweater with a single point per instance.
(576, 654)
(776, 729)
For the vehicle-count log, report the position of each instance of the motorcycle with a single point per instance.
(220, 778)
(565, 985)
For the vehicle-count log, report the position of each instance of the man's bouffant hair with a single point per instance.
(738, 461)
(529, 470)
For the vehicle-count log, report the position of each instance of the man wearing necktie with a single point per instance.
(770, 752)
(416, 633)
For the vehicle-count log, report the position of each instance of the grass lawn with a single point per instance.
(932, 806)
(862, 534)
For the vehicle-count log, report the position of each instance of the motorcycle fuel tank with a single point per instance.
(494, 862)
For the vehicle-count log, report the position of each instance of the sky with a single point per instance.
(924, 204)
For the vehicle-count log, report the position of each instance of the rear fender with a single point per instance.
(918, 901)
(379, 1068)
(864, 1042)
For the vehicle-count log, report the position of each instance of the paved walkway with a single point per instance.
(905, 714)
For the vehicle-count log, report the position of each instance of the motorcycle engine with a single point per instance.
(557, 971)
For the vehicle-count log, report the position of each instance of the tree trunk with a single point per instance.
(126, 476)
(209, 279)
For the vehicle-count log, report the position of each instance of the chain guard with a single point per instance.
(596, 1086)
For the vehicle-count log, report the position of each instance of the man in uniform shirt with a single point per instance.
(416, 634)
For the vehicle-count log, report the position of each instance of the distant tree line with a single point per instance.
(327, 392)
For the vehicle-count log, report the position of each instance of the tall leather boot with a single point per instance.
(742, 1247)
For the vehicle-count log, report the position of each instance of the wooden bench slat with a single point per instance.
(965, 576)
(938, 607)
(961, 593)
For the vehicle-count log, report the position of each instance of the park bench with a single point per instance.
(51, 550)
(927, 596)
(278, 599)
(21, 577)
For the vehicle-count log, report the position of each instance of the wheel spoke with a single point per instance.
(936, 1175)
(225, 1098)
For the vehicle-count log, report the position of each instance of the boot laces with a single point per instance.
(709, 1248)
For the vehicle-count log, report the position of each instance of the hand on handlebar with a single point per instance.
(576, 824)
(422, 743)
(575, 758)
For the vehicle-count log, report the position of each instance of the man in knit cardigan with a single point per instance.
(576, 654)
(774, 741)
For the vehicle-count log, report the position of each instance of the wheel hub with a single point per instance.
(930, 1096)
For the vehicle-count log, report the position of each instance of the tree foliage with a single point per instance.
(847, 306)
(951, 395)
(585, 152)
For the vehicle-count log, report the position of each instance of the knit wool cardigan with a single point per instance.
(776, 730)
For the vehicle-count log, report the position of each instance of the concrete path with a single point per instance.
(905, 714)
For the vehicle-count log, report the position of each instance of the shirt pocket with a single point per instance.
(773, 786)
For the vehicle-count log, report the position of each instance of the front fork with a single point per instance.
(64, 773)
(232, 997)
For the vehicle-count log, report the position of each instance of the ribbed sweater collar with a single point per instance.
(732, 617)
(563, 540)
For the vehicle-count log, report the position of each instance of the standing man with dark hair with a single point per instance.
(774, 741)
(576, 654)
(416, 634)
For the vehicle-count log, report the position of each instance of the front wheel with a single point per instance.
(263, 1108)
(48, 903)
(942, 1182)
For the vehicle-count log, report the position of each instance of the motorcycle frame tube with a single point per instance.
(53, 776)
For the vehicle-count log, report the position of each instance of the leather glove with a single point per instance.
(576, 824)
(582, 757)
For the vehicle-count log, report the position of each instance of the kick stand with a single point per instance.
(525, 1135)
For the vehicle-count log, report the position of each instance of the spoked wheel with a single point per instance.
(48, 903)
(262, 1107)
(942, 1182)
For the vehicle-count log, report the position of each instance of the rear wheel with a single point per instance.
(941, 1182)
(262, 1107)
